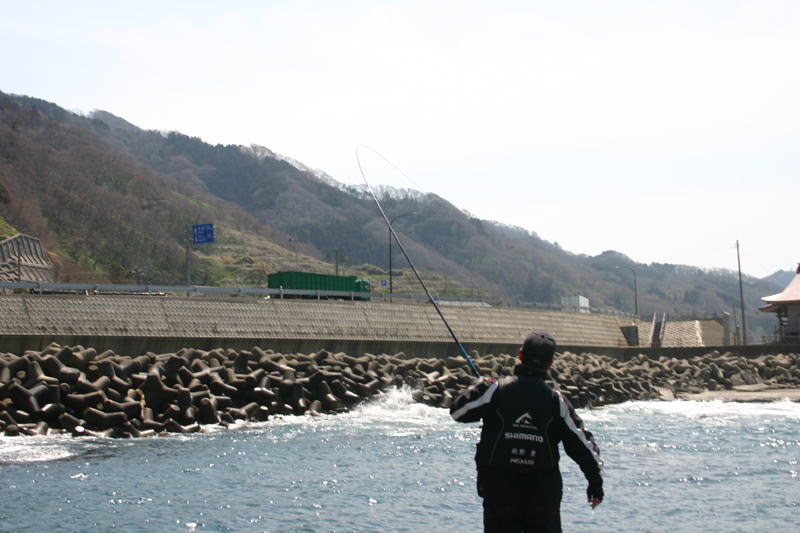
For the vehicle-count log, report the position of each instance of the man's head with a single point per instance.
(537, 350)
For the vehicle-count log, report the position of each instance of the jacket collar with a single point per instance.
(525, 370)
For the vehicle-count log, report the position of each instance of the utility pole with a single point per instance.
(197, 234)
(412, 214)
(741, 294)
(635, 293)
(189, 256)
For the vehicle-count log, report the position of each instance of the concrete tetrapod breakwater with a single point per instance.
(80, 391)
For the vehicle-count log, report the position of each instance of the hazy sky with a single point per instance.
(663, 130)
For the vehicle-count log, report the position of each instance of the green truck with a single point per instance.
(307, 281)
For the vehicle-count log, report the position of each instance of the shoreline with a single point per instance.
(84, 392)
(744, 393)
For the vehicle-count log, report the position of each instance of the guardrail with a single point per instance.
(202, 290)
(191, 290)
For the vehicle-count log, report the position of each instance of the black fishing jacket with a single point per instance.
(523, 422)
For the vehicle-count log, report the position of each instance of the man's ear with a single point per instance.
(519, 355)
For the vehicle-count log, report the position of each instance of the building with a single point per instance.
(575, 304)
(786, 305)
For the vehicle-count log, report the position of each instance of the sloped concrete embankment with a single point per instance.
(132, 325)
(80, 391)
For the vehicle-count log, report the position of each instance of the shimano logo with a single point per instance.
(510, 435)
(525, 421)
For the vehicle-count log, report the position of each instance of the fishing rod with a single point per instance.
(470, 362)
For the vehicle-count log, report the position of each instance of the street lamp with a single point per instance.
(635, 292)
(412, 214)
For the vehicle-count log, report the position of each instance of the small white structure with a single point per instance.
(575, 304)
(22, 258)
(786, 305)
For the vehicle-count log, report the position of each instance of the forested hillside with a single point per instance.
(101, 214)
(112, 201)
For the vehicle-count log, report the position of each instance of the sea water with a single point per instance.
(393, 465)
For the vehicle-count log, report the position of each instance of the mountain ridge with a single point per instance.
(164, 181)
(781, 277)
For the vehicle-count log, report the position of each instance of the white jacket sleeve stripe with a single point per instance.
(565, 414)
(485, 398)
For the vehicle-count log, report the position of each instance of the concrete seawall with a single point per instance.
(132, 325)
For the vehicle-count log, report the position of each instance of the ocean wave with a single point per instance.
(394, 413)
(35, 449)
(716, 408)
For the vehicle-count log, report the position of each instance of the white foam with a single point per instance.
(33, 449)
(392, 412)
(702, 409)
(398, 405)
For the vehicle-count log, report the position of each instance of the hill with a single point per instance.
(780, 278)
(102, 215)
(113, 201)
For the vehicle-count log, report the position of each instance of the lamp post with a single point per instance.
(741, 293)
(412, 214)
(635, 293)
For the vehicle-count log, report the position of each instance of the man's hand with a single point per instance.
(594, 493)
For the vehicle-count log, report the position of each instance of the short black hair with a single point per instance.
(538, 349)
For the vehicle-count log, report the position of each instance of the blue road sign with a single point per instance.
(202, 233)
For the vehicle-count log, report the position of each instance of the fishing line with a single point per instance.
(470, 362)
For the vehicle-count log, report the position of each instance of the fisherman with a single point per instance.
(517, 454)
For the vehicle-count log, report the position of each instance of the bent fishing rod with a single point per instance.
(469, 359)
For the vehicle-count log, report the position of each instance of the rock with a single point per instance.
(125, 397)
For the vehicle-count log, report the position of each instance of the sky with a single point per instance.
(663, 130)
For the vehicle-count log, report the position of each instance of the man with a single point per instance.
(517, 456)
